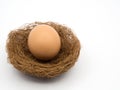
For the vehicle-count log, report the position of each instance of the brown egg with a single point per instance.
(44, 42)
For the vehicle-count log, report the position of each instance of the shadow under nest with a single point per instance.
(21, 58)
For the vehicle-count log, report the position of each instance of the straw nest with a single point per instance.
(21, 58)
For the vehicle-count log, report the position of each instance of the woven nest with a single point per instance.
(21, 58)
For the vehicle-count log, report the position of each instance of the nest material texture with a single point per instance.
(21, 58)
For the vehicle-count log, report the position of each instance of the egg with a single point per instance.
(44, 42)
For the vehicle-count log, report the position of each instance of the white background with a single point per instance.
(95, 22)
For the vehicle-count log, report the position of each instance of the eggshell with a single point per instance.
(44, 42)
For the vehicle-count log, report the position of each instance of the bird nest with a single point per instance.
(22, 59)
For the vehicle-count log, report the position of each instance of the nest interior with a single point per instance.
(21, 58)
